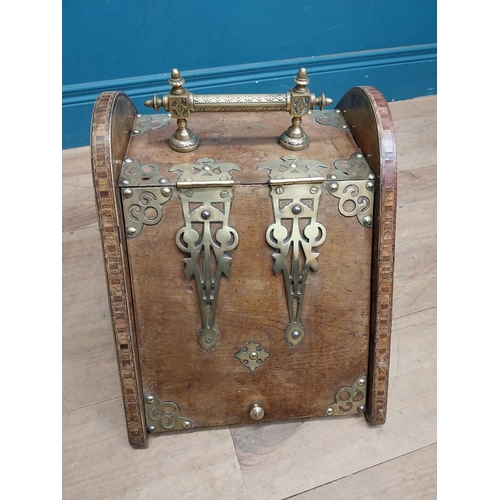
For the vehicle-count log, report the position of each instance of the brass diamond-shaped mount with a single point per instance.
(252, 355)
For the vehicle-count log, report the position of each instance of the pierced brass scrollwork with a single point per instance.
(353, 183)
(206, 190)
(349, 400)
(143, 123)
(163, 416)
(295, 190)
(143, 191)
(330, 117)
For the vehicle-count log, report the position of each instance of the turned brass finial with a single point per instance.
(302, 80)
(176, 81)
(156, 103)
(323, 101)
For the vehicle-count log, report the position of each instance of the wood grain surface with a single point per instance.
(328, 458)
(295, 381)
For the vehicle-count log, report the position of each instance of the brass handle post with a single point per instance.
(298, 101)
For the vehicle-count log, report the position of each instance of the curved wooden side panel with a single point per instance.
(112, 122)
(369, 118)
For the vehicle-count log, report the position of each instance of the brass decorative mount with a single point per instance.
(164, 416)
(349, 400)
(206, 190)
(252, 355)
(298, 101)
(296, 187)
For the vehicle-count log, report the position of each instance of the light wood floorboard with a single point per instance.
(409, 477)
(308, 460)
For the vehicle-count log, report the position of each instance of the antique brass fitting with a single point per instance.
(298, 101)
(256, 412)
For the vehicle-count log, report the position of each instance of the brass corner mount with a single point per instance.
(298, 101)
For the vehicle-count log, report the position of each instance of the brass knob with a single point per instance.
(256, 412)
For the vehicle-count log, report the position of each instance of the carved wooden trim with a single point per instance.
(112, 121)
(369, 118)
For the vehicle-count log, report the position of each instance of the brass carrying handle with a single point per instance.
(298, 101)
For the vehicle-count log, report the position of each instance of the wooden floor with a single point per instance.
(307, 460)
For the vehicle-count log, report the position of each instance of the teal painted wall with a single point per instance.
(242, 46)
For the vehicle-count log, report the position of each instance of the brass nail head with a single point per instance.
(256, 413)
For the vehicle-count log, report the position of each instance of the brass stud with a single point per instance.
(368, 220)
(256, 413)
(361, 408)
(125, 182)
(334, 186)
(329, 411)
(127, 193)
(186, 424)
(253, 355)
(152, 429)
(131, 230)
(205, 215)
(370, 185)
(128, 160)
(165, 191)
(296, 209)
(162, 180)
(150, 399)
(361, 382)
(295, 334)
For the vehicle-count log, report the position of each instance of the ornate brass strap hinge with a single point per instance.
(143, 190)
(295, 187)
(298, 101)
(206, 190)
